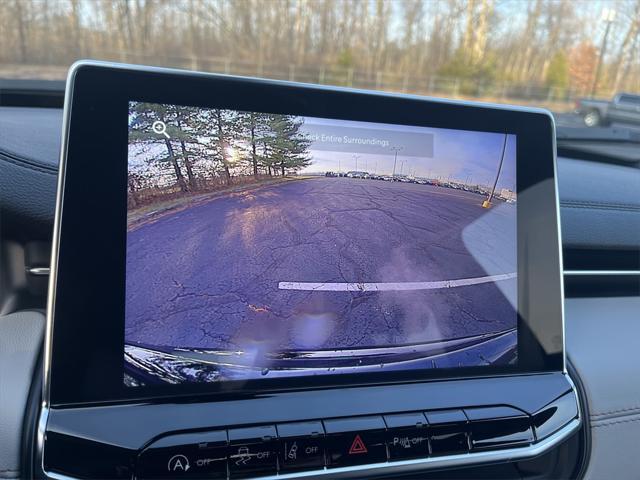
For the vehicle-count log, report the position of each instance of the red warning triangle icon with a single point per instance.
(357, 446)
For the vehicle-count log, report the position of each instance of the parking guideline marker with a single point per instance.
(392, 286)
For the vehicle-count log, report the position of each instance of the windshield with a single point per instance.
(546, 53)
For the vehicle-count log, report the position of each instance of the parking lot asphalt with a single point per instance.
(219, 275)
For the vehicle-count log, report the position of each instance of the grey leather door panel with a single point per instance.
(20, 344)
(603, 343)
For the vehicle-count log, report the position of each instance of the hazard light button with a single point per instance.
(355, 441)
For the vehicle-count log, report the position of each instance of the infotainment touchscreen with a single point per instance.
(267, 245)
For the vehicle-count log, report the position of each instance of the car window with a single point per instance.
(547, 53)
(631, 99)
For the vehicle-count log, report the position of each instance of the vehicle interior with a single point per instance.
(220, 270)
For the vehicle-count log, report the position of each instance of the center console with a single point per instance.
(257, 279)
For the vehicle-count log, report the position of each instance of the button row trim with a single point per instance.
(458, 460)
(359, 440)
(406, 466)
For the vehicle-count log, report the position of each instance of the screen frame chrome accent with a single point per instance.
(560, 249)
(55, 244)
(601, 273)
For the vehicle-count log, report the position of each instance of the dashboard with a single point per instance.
(167, 398)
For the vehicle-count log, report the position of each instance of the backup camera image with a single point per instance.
(266, 246)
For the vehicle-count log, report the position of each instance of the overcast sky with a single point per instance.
(337, 145)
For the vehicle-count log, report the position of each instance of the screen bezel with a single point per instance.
(86, 347)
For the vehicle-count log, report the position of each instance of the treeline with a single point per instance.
(196, 149)
(557, 43)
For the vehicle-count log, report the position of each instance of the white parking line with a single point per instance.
(392, 286)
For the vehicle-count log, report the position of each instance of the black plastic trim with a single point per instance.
(28, 441)
(591, 286)
(584, 434)
(601, 258)
(31, 93)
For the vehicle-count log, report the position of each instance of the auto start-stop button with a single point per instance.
(188, 456)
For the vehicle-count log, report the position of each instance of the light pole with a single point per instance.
(487, 202)
(395, 158)
(356, 157)
(608, 16)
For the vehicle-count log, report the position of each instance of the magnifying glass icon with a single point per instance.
(160, 128)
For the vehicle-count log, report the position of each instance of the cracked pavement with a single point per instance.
(207, 276)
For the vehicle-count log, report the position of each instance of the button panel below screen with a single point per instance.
(333, 443)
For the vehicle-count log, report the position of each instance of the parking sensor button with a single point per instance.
(407, 436)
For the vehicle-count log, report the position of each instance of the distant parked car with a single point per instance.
(400, 178)
(357, 174)
(331, 174)
(624, 108)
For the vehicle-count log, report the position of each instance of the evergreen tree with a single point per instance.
(253, 129)
(214, 130)
(289, 148)
(142, 116)
(183, 117)
(225, 124)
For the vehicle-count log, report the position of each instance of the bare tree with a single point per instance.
(362, 42)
